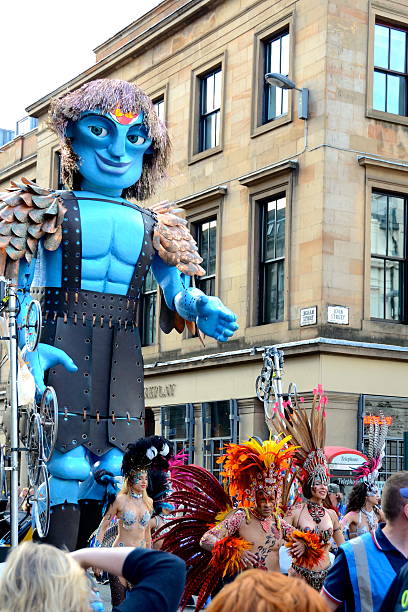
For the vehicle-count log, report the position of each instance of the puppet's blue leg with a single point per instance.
(67, 471)
(95, 494)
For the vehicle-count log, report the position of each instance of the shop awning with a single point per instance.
(342, 458)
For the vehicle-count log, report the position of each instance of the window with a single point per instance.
(210, 110)
(388, 257)
(178, 427)
(220, 426)
(58, 170)
(276, 54)
(149, 300)
(390, 70)
(25, 125)
(272, 259)
(159, 107)
(395, 411)
(206, 236)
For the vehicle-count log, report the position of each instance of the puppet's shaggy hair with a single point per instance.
(105, 95)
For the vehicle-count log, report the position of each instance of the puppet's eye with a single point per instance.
(136, 139)
(97, 130)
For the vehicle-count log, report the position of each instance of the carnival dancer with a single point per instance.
(239, 538)
(363, 512)
(132, 509)
(314, 525)
(85, 253)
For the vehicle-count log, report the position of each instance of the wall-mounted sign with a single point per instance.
(371, 419)
(346, 461)
(338, 314)
(308, 316)
(159, 391)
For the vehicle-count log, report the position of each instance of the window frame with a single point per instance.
(199, 72)
(205, 114)
(188, 441)
(262, 185)
(392, 19)
(199, 207)
(262, 264)
(262, 37)
(404, 260)
(161, 93)
(141, 314)
(391, 178)
(208, 440)
(361, 437)
(195, 231)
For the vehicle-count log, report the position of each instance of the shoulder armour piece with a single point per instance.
(173, 241)
(27, 214)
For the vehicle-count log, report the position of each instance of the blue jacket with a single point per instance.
(371, 573)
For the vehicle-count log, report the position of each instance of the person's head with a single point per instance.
(259, 591)
(334, 494)
(316, 490)
(264, 504)
(136, 482)
(40, 578)
(395, 498)
(359, 495)
(111, 139)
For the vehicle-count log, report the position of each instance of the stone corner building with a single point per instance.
(302, 223)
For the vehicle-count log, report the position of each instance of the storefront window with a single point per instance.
(395, 411)
(220, 426)
(178, 427)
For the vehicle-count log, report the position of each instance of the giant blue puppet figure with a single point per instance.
(85, 253)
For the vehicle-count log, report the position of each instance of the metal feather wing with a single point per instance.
(176, 247)
(173, 241)
(27, 214)
(199, 498)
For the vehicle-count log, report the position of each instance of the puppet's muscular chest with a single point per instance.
(112, 238)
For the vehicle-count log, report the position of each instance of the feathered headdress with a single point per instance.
(377, 433)
(256, 466)
(151, 452)
(308, 431)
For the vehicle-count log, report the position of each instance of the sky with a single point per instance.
(44, 44)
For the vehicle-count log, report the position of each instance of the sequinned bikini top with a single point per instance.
(129, 519)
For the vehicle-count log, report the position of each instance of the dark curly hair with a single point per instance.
(357, 497)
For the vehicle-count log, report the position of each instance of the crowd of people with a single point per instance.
(231, 547)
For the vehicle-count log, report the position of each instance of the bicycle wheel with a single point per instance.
(41, 502)
(34, 449)
(32, 325)
(3, 479)
(48, 412)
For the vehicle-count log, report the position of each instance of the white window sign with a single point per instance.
(338, 314)
(308, 316)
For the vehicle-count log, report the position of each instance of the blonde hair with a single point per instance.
(42, 578)
(127, 489)
(259, 591)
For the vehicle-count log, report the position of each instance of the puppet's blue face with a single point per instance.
(110, 153)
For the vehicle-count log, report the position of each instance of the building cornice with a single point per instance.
(17, 167)
(257, 176)
(151, 36)
(371, 161)
(207, 195)
(314, 345)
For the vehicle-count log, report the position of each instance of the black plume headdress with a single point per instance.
(151, 452)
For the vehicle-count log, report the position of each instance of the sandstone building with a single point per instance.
(303, 223)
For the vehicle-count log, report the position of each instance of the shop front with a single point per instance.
(342, 463)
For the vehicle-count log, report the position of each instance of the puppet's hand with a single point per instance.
(214, 319)
(43, 358)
